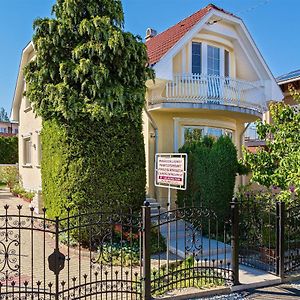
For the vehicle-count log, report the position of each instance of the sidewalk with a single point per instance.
(287, 291)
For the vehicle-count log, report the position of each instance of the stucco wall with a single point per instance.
(29, 125)
(170, 126)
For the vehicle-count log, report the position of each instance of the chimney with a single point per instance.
(150, 33)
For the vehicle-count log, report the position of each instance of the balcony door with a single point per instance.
(213, 73)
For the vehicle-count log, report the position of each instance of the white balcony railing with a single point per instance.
(211, 89)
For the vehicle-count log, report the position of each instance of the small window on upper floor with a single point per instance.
(27, 104)
(196, 58)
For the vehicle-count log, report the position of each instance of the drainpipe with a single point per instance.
(241, 141)
(153, 124)
(243, 132)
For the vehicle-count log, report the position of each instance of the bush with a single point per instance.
(8, 150)
(212, 168)
(9, 176)
(92, 167)
(18, 190)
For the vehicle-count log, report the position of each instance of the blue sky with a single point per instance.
(274, 25)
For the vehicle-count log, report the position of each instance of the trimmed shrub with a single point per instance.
(93, 166)
(212, 168)
(8, 150)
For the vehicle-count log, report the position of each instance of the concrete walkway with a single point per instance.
(183, 244)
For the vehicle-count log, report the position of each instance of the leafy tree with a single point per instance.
(3, 115)
(88, 85)
(278, 164)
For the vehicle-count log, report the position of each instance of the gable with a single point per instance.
(159, 45)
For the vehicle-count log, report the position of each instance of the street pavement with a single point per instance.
(287, 291)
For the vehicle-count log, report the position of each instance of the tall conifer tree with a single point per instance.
(87, 83)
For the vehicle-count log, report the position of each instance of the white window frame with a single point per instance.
(204, 128)
(27, 156)
(39, 149)
(204, 57)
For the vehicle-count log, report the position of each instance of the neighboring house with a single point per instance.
(286, 80)
(252, 141)
(210, 77)
(8, 128)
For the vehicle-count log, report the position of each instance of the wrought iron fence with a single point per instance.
(258, 227)
(269, 235)
(94, 255)
(291, 236)
(112, 255)
(197, 250)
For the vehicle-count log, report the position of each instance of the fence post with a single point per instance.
(280, 223)
(235, 240)
(146, 251)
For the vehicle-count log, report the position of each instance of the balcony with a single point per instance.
(210, 90)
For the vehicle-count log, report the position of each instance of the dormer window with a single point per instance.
(210, 60)
(213, 60)
(196, 58)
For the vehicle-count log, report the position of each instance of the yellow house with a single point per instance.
(210, 77)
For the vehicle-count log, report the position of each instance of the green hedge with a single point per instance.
(212, 168)
(8, 150)
(94, 165)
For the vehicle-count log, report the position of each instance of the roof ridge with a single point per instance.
(160, 44)
(210, 6)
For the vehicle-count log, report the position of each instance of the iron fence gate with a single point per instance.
(269, 236)
(197, 250)
(112, 255)
(83, 256)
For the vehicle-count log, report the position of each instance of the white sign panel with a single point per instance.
(170, 170)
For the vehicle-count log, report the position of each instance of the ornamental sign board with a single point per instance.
(171, 170)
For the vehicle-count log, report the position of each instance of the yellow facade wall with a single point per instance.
(170, 126)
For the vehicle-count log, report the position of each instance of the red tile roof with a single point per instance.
(159, 45)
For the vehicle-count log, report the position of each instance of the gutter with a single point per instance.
(155, 127)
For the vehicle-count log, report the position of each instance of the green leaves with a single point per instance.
(8, 150)
(212, 168)
(278, 164)
(85, 49)
(87, 83)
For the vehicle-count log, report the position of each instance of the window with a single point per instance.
(27, 151)
(39, 149)
(196, 58)
(226, 63)
(213, 60)
(194, 133)
(3, 130)
(27, 104)
(16, 130)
